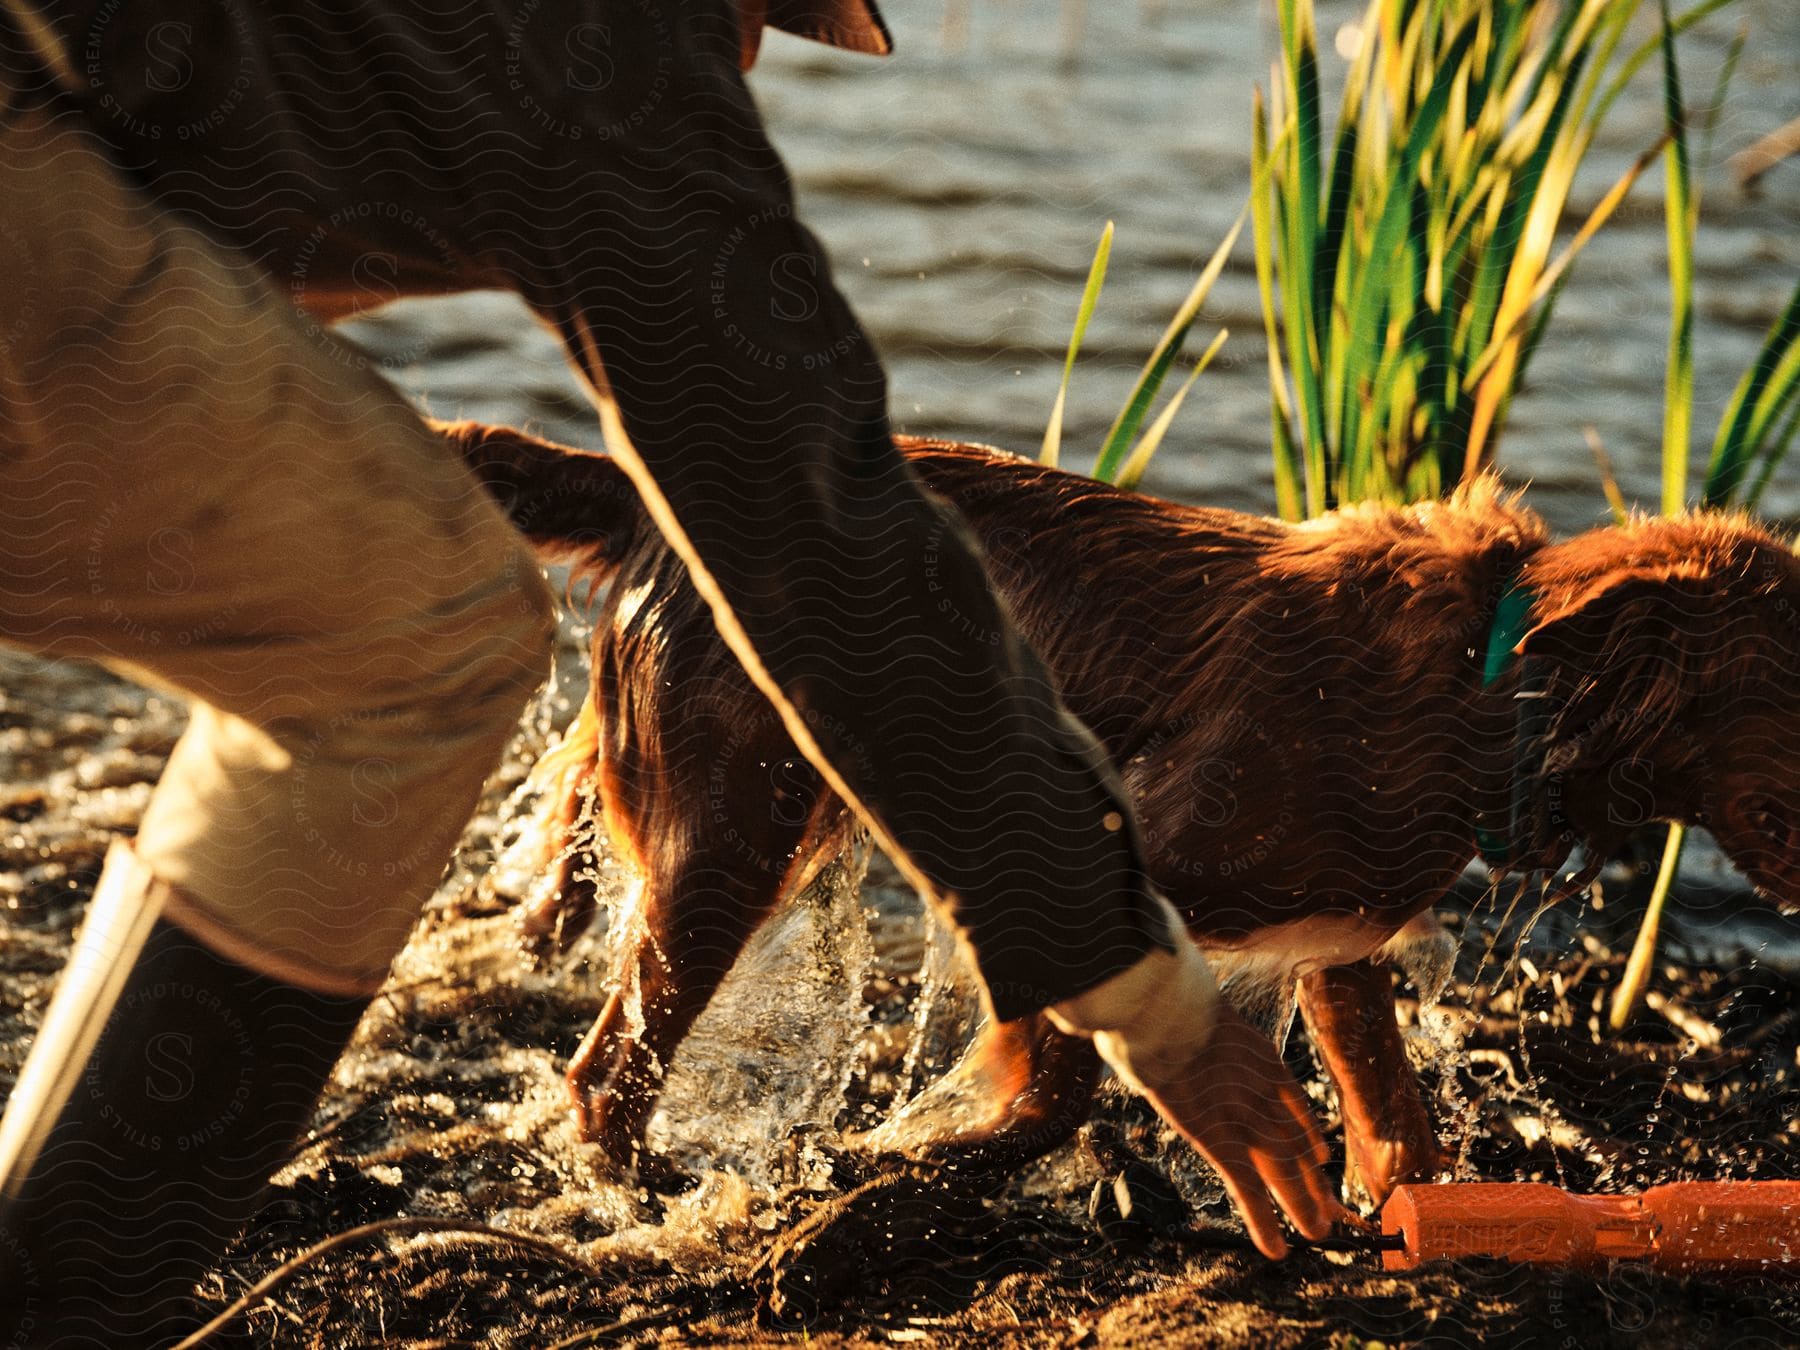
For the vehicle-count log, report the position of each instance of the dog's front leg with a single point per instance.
(1388, 1138)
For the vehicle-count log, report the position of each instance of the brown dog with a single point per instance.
(1317, 724)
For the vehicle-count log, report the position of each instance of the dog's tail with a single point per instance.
(575, 507)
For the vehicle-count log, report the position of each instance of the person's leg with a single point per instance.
(164, 1086)
(206, 495)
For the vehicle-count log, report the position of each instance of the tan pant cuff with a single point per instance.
(186, 913)
(1151, 1020)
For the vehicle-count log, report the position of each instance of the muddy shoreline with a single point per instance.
(449, 1105)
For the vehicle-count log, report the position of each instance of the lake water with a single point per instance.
(961, 184)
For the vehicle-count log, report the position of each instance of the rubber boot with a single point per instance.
(126, 1168)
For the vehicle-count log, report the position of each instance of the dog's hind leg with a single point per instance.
(697, 917)
(1388, 1137)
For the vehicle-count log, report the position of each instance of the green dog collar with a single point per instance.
(1511, 617)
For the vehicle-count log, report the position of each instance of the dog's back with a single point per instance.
(1292, 707)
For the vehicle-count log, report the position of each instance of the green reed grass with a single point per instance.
(1126, 450)
(1681, 213)
(1759, 424)
(1407, 271)
(1051, 453)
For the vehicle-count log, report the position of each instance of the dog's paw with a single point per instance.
(1374, 1166)
(659, 1174)
(636, 1165)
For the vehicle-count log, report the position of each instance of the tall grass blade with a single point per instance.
(1090, 295)
(1543, 189)
(1760, 391)
(1551, 278)
(1609, 480)
(1681, 213)
(1281, 412)
(1125, 427)
(1777, 449)
(1715, 106)
(1300, 226)
(1133, 471)
(1682, 216)
(1629, 68)
(1643, 951)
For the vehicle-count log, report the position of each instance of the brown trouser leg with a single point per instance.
(204, 494)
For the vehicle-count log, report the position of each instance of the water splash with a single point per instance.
(945, 1022)
(772, 1055)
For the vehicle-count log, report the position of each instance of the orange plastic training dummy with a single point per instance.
(1747, 1227)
